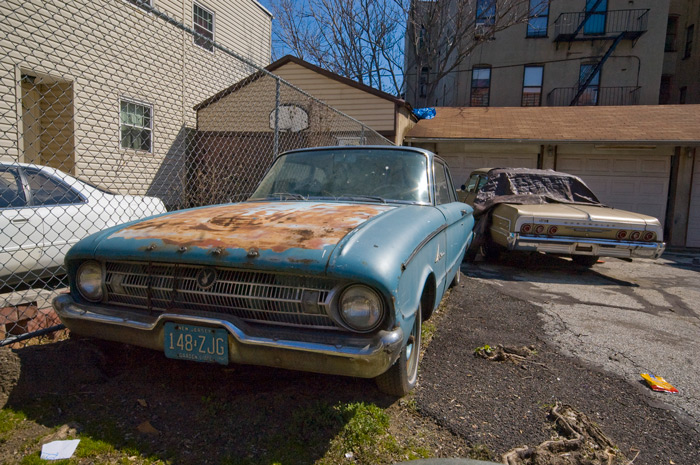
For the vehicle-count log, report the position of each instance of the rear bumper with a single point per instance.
(339, 354)
(584, 246)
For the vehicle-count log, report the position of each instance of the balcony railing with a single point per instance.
(562, 96)
(601, 25)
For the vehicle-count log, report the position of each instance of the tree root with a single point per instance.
(579, 441)
(500, 353)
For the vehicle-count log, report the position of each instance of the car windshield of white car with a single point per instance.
(363, 175)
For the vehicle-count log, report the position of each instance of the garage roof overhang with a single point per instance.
(621, 126)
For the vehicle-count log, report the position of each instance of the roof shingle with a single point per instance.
(631, 124)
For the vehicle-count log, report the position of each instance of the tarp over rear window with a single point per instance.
(525, 186)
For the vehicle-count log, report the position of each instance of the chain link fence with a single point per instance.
(115, 110)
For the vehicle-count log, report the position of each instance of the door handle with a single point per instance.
(19, 220)
(464, 212)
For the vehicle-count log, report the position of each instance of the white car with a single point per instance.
(44, 211)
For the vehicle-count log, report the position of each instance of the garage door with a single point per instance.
(636, 182)
(464, 158)
(693, 237)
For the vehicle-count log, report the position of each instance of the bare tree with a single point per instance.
(358, 39)
(442, 34)
(384, 42)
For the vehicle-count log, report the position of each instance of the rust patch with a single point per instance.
(267, 226)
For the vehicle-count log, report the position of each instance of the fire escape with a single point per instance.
(612, 26)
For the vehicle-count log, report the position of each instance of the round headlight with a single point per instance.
(361, 308)
(89, 281)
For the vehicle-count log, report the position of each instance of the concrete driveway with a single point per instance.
(625, 317)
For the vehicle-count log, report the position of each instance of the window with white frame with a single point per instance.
(203, 25)
(136, 125)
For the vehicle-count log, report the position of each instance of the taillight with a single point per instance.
(621, 234)
(552, 230)
(526, 228)
(649, 236)
(539, 229)
(635, 235)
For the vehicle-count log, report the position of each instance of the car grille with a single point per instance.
(255, 297)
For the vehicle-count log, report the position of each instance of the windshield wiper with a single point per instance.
(286, 195)
(361, 197)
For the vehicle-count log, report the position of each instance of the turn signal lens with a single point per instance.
(539, 229)
(526, 228)
(552, 230)
(621, 234)
(635, 235)
(649, 236)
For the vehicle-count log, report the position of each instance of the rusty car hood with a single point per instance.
(255, 234)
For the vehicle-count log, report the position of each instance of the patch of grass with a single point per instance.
(365, 438)
(9, 420)
(486, 348)
(428, 329)
(480, 452)
(90, 447)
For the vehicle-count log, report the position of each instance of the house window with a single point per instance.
(689, 33)
(481, 83)
(665, 89)
(424, 76)
(203, 25)
(485, 17)
(532, 86)
(590, 94)
(596, 12)
(136, 126)
(683, 95)
(538, 18)
(671, 32)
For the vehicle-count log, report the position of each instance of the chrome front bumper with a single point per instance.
(584, 246)
(339, 354)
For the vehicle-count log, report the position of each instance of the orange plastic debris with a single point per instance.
(657, 383)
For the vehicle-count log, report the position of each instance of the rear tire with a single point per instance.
(402, 376)
(490, 250)
(585, 260)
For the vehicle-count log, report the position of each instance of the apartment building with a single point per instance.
(558, 53)
(105, 89)
(679, 82)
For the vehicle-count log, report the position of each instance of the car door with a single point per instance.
(61, 208)
(458, 217)
(21, 229)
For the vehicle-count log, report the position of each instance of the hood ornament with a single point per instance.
(253, 252)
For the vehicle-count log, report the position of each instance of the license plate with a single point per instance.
(196, 343)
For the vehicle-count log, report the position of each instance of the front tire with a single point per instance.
(402, 376)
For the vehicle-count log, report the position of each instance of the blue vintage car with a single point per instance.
(330, 267)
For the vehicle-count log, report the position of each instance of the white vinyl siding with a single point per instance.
(82, 45)
(374, 111)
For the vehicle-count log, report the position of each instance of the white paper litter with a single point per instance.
(58, 450)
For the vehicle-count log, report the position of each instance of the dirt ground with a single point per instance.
(197, 413)
(504, 405)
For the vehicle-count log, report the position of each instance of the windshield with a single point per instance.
(377, 175)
